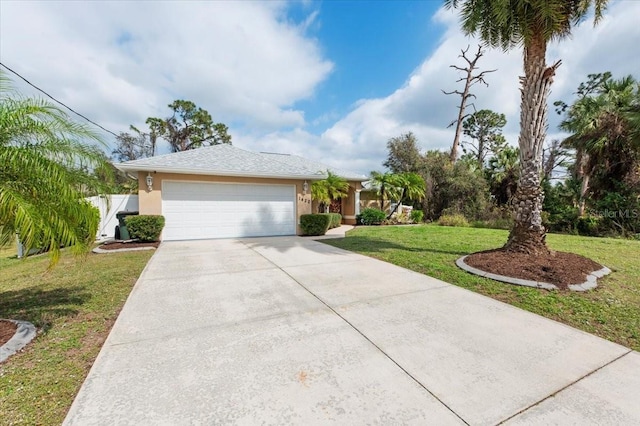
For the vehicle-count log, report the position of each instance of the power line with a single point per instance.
(57, 101)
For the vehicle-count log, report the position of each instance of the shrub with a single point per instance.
(145, 228)
(400, 218)
(371, 216)
(453, 220)
(588, 225)
(417, 216)
(335, 219)
(315, 224)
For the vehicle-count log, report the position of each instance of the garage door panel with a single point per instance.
(195, 210)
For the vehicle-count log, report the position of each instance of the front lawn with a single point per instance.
(74, 306)
(611, 311)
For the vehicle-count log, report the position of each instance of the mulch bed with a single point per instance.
(117, 245)
(559, 268)
(7, 330)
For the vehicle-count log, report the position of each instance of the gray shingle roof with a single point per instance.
(228, 160)
(312, 165)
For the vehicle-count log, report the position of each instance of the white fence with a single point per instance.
(109, 205)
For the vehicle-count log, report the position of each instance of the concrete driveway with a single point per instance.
(292, 331)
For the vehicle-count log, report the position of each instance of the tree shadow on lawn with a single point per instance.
(40, 306)
(376, 245)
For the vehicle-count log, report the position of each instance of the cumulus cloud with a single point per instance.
(420, 106)
(244, 62)
(248, 64)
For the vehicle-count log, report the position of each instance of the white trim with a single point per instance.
(161, 169)
(230, 183)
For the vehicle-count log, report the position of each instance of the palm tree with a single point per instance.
(511, 23)
(45, 174)
(383, 183)
(331, 188)
(605, 136)
(503, 174)
(411, 186)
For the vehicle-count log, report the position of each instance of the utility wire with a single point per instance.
(57, 101)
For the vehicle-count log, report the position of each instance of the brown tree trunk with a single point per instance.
(481, 152)
(584, 188)
(528, 234)
(584, 176)
(453, 156)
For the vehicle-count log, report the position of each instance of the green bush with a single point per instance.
(371, 216)
(315, 224)
(453, 220)
(563, 221)
(416, 216)
(335, 219)
(145, 228)
(588, 225)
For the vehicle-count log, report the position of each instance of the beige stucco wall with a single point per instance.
(150, 202)
(349, 204)
(372, 199)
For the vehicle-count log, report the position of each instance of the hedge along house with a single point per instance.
(222, 191)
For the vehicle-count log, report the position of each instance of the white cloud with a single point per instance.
(120, 61)
(421, 107)
(248, 65)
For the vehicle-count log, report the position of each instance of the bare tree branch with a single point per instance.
(470, 79)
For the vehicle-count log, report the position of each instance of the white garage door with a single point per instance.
(195, 210)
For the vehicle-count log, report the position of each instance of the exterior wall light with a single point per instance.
(305, 187)
(149, 182)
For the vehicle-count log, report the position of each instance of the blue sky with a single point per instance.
(374, 46)
(331, 80)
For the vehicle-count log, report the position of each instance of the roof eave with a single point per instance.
(177, 170)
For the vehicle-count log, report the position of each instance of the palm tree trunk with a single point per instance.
(528, 234)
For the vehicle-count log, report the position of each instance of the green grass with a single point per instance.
(74, 306)
(611, 311)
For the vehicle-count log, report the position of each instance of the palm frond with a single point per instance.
(47, 162)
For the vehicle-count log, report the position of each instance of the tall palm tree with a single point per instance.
(531, 24)
(45, 173)
(410, 186)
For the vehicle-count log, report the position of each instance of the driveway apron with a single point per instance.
(292, 331)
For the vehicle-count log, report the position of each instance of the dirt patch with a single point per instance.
(7, 330)
(559, 268)
(118, 245)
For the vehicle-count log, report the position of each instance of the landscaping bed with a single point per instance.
(119, 245)
(559, 268)
(7, 330)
